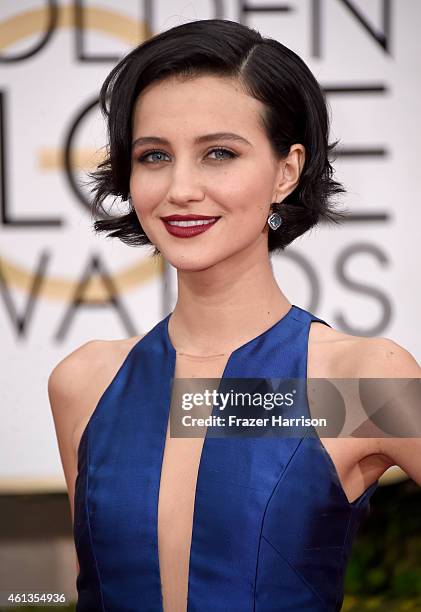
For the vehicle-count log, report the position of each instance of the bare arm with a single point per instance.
(75, 387)
(387, 359)
(67, 385)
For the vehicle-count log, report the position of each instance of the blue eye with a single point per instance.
(219, 150)
(143, 158)
(154, 152)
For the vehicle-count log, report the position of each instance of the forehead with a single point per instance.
(216, 102)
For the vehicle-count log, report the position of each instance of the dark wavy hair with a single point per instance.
(295, 111)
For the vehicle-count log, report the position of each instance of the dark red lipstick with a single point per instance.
(187, 226)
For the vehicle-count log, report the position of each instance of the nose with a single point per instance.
(185, 183)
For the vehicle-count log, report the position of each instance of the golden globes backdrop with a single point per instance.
(61, 285)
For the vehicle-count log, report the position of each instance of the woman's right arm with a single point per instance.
(71, 392)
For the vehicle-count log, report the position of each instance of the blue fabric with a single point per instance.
(272, 526)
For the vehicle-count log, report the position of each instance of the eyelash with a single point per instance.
(142, 158)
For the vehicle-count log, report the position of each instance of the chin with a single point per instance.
(190, 263)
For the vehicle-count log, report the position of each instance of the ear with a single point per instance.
(290, 169)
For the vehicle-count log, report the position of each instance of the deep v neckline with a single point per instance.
(246, 490)
(173, 354)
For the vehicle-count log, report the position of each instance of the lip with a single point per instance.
(188, 217)
(188, 232)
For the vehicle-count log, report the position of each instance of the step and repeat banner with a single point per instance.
(60, 285)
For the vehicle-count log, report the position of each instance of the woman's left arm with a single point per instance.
(384, 358)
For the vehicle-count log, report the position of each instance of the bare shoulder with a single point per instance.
(91, 355)
(73, 376)
(343, 355)
(75, 386)
(334, 354)
(79, 379)
(379, 357)
(323, 334)
(385, 358)
(71, 371)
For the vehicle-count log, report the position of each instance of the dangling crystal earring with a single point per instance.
(274, 220)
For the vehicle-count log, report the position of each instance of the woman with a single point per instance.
(218, 139)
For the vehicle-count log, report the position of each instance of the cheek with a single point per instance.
(142, 207)
(146, 195)
(248, 196)
(252, 183)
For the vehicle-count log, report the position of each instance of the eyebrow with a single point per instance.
(200, 139)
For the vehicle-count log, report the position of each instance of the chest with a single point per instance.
(182, 455)
(214, 508)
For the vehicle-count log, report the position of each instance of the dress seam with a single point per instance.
(89, 522)
(315, 593)
(263, 520)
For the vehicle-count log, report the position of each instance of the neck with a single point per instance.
(218, 310)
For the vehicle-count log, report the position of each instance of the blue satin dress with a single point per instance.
(272, 526)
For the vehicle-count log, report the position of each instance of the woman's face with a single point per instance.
(234, 180)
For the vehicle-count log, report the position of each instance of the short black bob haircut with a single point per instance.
(295, 111)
